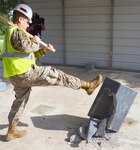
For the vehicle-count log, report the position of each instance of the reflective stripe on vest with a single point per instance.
(27, 56)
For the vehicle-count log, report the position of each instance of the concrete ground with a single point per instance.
(53, 113)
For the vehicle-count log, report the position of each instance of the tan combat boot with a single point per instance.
(92, 85)
(13, 133)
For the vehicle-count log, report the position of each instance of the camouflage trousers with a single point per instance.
(37, 76)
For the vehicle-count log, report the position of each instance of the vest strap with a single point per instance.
(20, 55)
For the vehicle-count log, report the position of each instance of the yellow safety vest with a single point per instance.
(15, 62)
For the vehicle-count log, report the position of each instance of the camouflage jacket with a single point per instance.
(21, 42)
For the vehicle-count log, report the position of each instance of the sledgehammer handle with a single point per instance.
(31, 36)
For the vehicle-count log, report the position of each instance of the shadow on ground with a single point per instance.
(62, 122)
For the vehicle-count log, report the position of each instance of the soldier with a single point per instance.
(19, 54)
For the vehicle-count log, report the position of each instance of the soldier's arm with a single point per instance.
(21, 42)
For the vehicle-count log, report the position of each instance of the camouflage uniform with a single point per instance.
(36, 76)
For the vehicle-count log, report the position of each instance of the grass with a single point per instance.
(1, 43)
(1, 37)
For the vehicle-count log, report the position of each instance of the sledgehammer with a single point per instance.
(28, 34)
